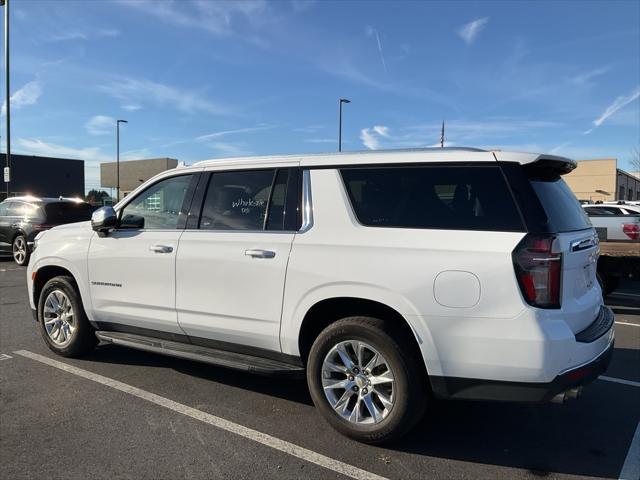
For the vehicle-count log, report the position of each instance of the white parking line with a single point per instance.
(631, 467)
(628, 323)
(256, 436)
(619, 380)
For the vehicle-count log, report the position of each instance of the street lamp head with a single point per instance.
(344, 100)
(122, 121)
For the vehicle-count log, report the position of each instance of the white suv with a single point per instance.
(386, 278)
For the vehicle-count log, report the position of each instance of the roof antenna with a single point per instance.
(442, 136)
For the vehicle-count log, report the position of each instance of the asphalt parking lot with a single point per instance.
(122, 413)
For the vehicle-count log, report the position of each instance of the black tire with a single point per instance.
(17, 241)
(608, 283)
(404, 359)
(83, 338)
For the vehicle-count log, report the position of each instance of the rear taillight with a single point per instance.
(631, 230)
(538, 270)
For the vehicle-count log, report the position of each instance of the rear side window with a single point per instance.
(564, 212)
(67, 212)
(251, 200)
(442, 197)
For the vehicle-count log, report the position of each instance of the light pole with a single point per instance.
(118, 122)
(5, 3)
(342, 100)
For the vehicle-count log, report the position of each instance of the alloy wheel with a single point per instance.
(59, 318)
(358, 382)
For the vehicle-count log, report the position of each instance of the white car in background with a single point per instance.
(387, 278)
(615, 222)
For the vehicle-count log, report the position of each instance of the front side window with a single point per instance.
(443, 197)
(158, 207)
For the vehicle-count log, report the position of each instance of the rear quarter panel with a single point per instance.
(338, 257)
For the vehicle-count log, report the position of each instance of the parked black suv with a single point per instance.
(22, 218)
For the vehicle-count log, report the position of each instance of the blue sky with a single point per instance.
(207, 79)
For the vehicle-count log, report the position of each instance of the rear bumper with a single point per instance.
(478, 389)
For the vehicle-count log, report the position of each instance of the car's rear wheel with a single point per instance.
(63, 323)
(366, 379)
(20, 250)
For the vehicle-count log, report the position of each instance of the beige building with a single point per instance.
(602, 180)
(133, 172)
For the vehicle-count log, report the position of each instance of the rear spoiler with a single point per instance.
(538, 163)
(560, 165)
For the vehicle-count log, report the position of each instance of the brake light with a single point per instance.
(538, 270)
(631, 230)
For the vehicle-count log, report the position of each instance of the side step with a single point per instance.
(222, 358)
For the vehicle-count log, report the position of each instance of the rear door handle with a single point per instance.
(260, 253)
(161, 248)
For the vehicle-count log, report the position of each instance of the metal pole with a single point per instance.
(342, 100)
(340, 129)
(117, 161)
(8, 89)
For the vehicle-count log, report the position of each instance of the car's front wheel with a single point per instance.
(63, 323)
(366, 380)
(20, 250)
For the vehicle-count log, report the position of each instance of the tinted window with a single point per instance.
(158, 207)
(452, 197)
(237, 200)
(25, 210)
(564, 212)
(3, 208)
(67, 212)
(597, 212)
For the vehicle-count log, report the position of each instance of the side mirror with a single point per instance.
(103, 220)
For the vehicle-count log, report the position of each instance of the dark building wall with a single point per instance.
(44, 176)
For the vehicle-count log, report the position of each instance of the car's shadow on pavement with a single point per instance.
(589, 436)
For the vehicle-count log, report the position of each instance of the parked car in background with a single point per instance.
(614, 208)
(384, 277)
(618, 227)
(615, 222)
(22, 218)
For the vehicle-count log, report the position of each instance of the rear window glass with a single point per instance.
(564, 212)
(67, 212)
(451, 197)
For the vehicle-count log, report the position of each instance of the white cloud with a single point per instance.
(617, 104)
(456, 133)
(231, 149)
(217, 17)
(84, 34)
(309, 129)
(470, 31)
(27, 95)
(381, 130)
(133, 91)
(131, 107)
(369, 139)
(100, 125)
(224, 133)
(323, 140)
(584, 77)
(372, 32)
(35, 146)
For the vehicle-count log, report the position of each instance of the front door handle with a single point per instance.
(260, 253)
(161, 248)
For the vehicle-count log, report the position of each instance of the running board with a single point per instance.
(222, 358)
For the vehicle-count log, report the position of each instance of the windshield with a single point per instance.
(67, 212)
(564, 212)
